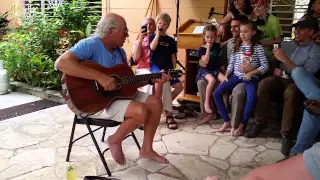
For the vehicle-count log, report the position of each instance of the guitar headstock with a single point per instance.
(175, 73)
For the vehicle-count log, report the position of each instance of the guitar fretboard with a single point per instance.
(139, 78)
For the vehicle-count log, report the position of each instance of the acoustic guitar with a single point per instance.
(85, 97)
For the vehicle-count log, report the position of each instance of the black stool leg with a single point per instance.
(71, 137)
(103, 134)
(98, 149)
(135, 140)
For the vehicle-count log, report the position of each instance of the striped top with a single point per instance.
(259, 60)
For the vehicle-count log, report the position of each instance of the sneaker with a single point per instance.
(286, 145)
(255, 130)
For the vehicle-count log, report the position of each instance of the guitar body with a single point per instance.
(85, 97)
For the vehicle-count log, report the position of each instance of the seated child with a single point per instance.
(209, 68)
(246, 50)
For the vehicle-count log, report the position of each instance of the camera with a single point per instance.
(144, 29)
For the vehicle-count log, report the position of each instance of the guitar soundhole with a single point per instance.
(119, 81)
(110, 94)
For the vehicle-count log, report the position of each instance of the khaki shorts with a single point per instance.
(118, 108)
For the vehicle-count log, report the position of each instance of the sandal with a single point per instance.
(141, 127)
(171, 124)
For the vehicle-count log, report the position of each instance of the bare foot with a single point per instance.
(225, 126)
(239, 131)
(206, 118)
(232, 131)
(207, 107)
(154, 156)
(116, 152)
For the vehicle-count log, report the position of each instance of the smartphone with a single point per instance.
(144, 28)
(275, 46)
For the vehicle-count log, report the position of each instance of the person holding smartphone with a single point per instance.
(303, 52)
(141, 51)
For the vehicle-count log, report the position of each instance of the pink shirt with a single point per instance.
(144, 61)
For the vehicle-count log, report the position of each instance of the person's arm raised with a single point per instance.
(224, 21)
(137, 48)
(206, 57)
(155, 41)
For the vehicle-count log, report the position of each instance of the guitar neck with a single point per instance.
(140, 78)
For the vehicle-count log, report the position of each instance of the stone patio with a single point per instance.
(34, 146)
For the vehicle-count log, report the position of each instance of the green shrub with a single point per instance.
(31, 49)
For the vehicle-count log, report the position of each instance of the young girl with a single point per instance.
(246, 50)
(210, 66)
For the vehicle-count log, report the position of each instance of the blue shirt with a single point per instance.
(259, 60)
(93, 49)
(306, 56)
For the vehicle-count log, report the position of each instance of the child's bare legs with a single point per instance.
(206, 117)
(211, 82)
(177, 90)
(167, 105)
(158, 90)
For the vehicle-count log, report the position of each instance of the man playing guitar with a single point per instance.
(105, 49)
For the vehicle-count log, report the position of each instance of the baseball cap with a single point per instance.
(262, 2)
(307, 22)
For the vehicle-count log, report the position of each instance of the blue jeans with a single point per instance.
(226, 86)
(310, 125)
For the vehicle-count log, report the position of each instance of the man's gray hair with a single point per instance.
(104, 24)
(148, 18)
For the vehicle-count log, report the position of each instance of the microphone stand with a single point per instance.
(177, 24)
(176, 34)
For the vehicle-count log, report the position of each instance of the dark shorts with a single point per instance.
(202, 72)
(156, 69)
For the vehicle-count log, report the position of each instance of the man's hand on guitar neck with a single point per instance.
(164, 78)
(108, 83)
